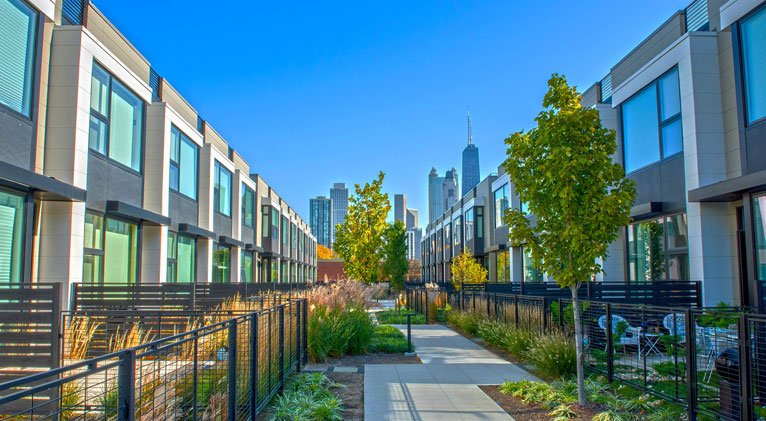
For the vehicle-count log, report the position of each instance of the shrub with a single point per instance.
(670, 369)
(399, 317)
(465, 321)
(308, 396)
(333, 332)
(554, 355)
(344, 293)
(518, 341)
(388, 339)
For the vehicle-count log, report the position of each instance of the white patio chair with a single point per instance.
(631, 335)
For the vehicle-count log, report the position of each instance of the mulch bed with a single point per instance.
(524, 411)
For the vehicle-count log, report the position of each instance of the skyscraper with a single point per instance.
(400, 208)
(435, 195)
(339, 199)
(471, 173)
(414, 238)
(412, 218)
(450, 189)
(321, 219)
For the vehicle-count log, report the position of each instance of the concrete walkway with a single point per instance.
(445, 387)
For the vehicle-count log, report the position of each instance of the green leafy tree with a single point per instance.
(395, 264)
(359, 240)
(466, 270)
(563, 170)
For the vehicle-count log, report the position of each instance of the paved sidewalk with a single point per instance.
(444, 387)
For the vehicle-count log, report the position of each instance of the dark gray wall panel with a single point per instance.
(221, 224)
(663, 182)
(248, 235)
(755, 139)
(16, 140)
(182, 210)
(108, 181)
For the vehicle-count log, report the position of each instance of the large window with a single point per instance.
(221, 264)
(18, 35)
(479, 222)
(469, 225)
(11, 236)
(457, 231)
(658, 250)
(182, 257)
(532, 271)
(248, 204)
(503, 266)
(247, 266)
(183, 164)
(285, 235)
(759, 209)
(116, 120)
(111, 251)
(651, 123)
(754, 65)
(447, 241)
(274, 224)
(222, 190)
(501, 204)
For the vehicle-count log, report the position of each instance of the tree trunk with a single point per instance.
(578, 347)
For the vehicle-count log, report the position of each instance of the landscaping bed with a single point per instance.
(525, 411)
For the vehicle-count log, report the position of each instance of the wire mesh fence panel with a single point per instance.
(226, 369)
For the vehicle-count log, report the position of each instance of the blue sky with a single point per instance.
(317, 92)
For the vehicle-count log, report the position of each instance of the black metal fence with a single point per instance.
(711, 361)
(225, 370)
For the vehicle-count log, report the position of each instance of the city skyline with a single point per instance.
(412, 83)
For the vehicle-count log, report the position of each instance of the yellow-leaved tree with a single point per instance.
(324, 252)
(466, 270)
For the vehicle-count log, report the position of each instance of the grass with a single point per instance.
(337, 331)
(308, 396)
(399, 317)
(388, 339)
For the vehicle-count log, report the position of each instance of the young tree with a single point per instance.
(324, 252)
(465, 269)
(395, 263)
(563, 171)
(359, 240)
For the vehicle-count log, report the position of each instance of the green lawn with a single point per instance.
(399, 317)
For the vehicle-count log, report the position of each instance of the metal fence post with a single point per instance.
(545, 315)
(561, 314)
(298, 340)
(516, 310)
(691, 365)
(305, 321)
(281, 347)
(232, 360)
(609, 345)
(126, 386)
(253, 366)
(745, 368)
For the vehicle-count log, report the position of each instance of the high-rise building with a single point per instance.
(471, 173)
(450, 189)
(339, 199)
(414, 238)
(412, 218)
(321, 219)
(400, 208)
(435, 195)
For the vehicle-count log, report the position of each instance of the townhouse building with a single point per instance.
(108, 175)
(688, 105)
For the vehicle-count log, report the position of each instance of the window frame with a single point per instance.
(102, 251)
(174, 260)
(740, 68)
(661, 124)
(106, 120)
(499, 216)
(219, 246)
(665, 249)
(246, 189)
(219, 168)
(35, 59)
(182, 137)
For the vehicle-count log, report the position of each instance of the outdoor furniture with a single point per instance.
(631, 335)
(650, 343)
(710, 341)
(675, 323)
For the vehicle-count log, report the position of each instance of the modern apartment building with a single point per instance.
(109, 176)
(339, 198)
(688, 105)
(320, 219)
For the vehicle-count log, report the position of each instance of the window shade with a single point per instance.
(18, 25)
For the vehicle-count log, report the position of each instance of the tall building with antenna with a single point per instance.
(471, 173)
